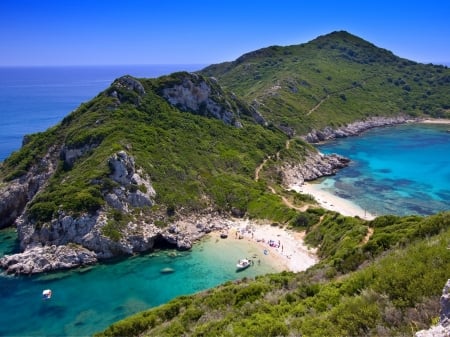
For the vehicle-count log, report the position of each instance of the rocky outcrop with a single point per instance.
(134, 188)
(443, 328)
(352, 129)
(69, 155)
(15, 195)
(314, 166)
(48, 258)
(192, 93)
(87, 243)
(127, 89)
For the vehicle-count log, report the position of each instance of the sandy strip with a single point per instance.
(332, 202)
(287, 251)
(435, 121)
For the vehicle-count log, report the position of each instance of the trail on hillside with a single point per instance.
(317, 105)
(284, 199)
(368, 236)
(314, 108)
(259, 168)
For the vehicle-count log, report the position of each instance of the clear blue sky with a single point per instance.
(93, 32)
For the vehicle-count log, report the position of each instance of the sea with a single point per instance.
(399, 170)
(394, 170)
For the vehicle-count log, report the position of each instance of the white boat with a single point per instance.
(242, 264)
(46, 294)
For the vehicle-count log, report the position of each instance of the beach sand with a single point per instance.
(287, 251)
(435, 121)
(332, 202)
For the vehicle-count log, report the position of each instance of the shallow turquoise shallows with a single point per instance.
(395, 170)
(85, 301)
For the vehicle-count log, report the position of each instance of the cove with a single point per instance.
(88, 300)
(398, 170)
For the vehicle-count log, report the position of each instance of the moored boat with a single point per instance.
(46, 294)
(243, 264)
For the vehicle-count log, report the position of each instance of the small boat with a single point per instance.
(46, 294)
(167, 270)
(223, 235)
(243, 264)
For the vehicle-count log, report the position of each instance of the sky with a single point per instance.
(117, 32)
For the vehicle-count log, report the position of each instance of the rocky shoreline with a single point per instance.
(68, 242)
(353, 129)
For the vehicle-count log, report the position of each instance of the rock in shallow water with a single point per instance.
(48, 258)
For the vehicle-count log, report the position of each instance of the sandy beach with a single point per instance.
(280, 247)
(435, 121)
(332, 202)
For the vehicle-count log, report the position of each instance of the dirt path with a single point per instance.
(259, 168)
(317, 105)
(368, 236)
(284, 199)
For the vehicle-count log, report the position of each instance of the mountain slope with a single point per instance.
(333, 80)
(383, 287)
(115, 173)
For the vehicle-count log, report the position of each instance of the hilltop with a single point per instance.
(116, 176)
(333, 80)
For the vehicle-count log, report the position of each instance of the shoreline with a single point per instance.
(435, 121)
(287, 252)
(332, 202)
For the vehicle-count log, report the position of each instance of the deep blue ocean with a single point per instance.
(399, 170)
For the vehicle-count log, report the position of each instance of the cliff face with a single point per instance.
(443, 328)
(15, 195)
(54, 237)
(199, 95)
(314, 166)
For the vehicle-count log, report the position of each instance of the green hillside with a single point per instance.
(332, 80)
(218, 145)
(387, 286)
(195, 162)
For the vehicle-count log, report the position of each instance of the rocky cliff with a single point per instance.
(353, 129)
(194, 93)
(70, 240)
(314, 166)
(443, 328)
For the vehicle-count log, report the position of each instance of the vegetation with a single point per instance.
(375, 277)
(333, 80)
(358, 289)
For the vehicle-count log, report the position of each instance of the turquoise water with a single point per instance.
(87, 300)
(395, 170)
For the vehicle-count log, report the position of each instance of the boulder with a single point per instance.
(47, 258)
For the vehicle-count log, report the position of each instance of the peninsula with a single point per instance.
(124, 172)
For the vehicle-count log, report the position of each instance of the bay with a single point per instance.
(88, 300)
(396, 170)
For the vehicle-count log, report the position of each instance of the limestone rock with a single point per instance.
(48, 258)
(70, 155)
(314, 166)
(135, 188)
(127, 89)
(443, 328)
(16, 194)
(352, 129)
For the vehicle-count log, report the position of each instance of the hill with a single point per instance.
(387, 286)
(116, 175)
(333, 80)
